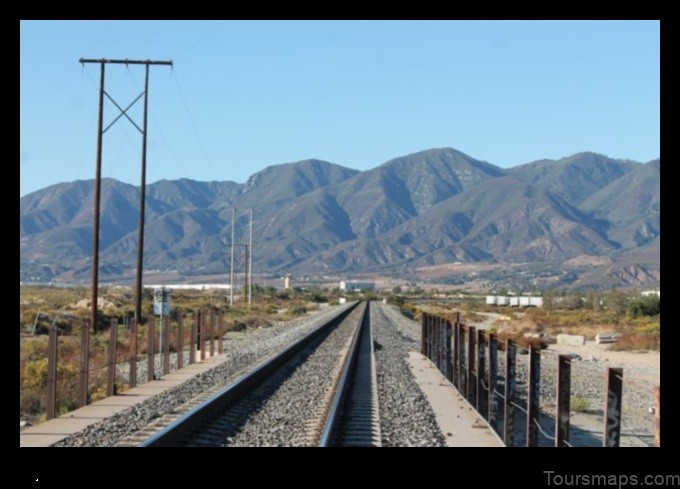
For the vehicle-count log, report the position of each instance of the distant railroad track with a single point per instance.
(319, 391)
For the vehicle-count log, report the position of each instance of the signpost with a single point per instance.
(161, 302)
(161, 307)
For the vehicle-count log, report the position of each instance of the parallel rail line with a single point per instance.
(348, 414)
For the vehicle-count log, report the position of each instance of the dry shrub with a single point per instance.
(523, 342)
(636, 341)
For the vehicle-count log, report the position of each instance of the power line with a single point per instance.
(151, 37)
(199, 41)
(160, 131)
(98, 40)
(191, 119)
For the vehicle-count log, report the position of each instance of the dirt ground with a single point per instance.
(641, 373)
(643, 366)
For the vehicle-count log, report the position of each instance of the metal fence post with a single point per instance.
(212, 332)
(510, 384)
(462, 379)
(52, 344)
(612, 410)
(111, 373)
(442, 346)
(493, 373)
(202, 331)
(481, 367)
(150, 357)
(471, 383)
(430, 337)
(657, 412)
(438, 340)
(430, 340)
(192, 341)
(423, 334)
(166, 344)
(198, 317)
(84, 363)
(533, 398)
(456, 357)
(180, 339)
(442, 335)
(435, 340)
(133, 352)
(220, 340)
(563, 400)
(449, 366)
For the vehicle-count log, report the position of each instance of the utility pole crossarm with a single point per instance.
(126, 61)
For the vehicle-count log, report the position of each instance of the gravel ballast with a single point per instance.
(291, 412)
(242, 350)
(406, 418)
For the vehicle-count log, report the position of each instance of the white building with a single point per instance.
(189, 286)
(356, 285)
(521, 301)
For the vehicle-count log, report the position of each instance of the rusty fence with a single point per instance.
(79, 365)
(468, 358)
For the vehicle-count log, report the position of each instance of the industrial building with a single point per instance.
(356, 285)
(513, 301)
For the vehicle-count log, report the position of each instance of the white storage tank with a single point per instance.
(524, 302)
(536, 301)
(502, 300)
(514, 301)
(491, 300)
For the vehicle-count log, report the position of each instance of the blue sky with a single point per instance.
(243, 95)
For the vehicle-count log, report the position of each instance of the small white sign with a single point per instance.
(161, 302)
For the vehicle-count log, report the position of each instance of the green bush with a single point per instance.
(298, 310)
(318, 297)
(649, 305)
(579, 404)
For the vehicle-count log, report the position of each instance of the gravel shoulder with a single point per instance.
(406, 417)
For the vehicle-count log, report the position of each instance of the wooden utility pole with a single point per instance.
(97, 192)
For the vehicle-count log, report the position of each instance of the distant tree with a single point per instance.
(396, 300)
(616, 301)
(573, 301)
(649, 305)
(594, 301)
(548, 299)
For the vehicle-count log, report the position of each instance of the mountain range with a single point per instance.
(434, 207)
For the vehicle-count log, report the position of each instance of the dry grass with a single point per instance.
(61, 305)
(587, 323)
(636, 341)
(523, 342)
(637, 333)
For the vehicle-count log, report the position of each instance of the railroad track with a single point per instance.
(354, 418)
(319, 391)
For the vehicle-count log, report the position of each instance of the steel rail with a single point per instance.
(192, 419)
(342, 384)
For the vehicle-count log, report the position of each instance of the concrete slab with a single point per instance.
(571, 339)
(55, 430)
(42, 440)
(601, 338)
(457, 419)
